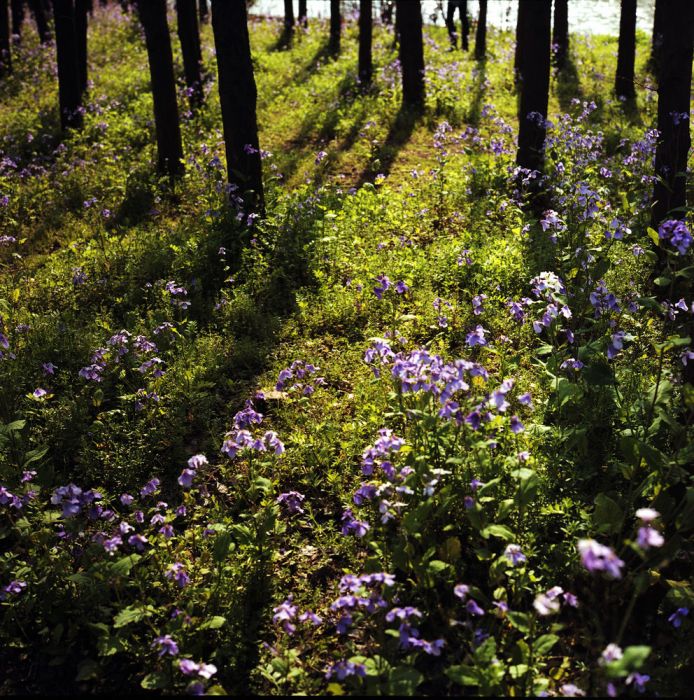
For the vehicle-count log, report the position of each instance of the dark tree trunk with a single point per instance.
(335, 27)
(461, 6)
(169, 149)
(41, 21)
(238, 97)
(481, 35)
(288, 18)
(534, 85)
(409, 14)
(626, 53)
(669, 196)
(365, 31)
(465, 23)
(68, 65)
(560, 34)
(5, 55)
(81, 25)
(17, 19)
(189, 36)
(204, 13)
(303, 16)
(521, 36)
(657, 39)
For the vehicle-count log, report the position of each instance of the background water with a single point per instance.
(585, 16)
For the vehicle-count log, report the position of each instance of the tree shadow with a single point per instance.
(478, 93)
(398, 135)
(630, 109)
(568, 85)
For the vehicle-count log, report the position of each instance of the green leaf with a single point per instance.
(123, 566)
(520, 620)
(653, 235)
(403, 680)
(214, 623)
(131, 614)
(500, 531)
(607, 516)
(464, 675)
(154, 681)
(544, 644)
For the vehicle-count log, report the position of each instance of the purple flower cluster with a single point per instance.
(675, 233)
(598, 557)
(296, 376)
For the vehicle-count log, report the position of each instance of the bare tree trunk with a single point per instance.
(189, 36)
(68, 64)
(409, 17)
(169, 147)
(5, 55)
(335, 26)
(303, 16)
(41, 21)
(365, 32)
(560, 33)
(626, 53)
(288, 19)
(17, 19)
(534, 83)
(204, 12)
(238, 97)
(657, 38)
(521, 35)
(481, 34)
(81, 26)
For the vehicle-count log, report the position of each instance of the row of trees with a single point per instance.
(671, 58)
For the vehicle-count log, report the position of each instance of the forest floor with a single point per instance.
(107, 258)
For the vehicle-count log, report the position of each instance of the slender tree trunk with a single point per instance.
(81, 26)
(365, 31)
(5, 55)
(481, 35)
(465, 25)
(17, 19)
(68, 64)
(626, 54)
(669, 196)
(534, 87)
(288, 18)
(238, 97)
(189, 36)
(451, 6)
(204, 13)
(521, 37)
(169, 148)
(335, 26)
(409, 13)
(657, 39)
(560, 34)
(303, 16)
(41, 21)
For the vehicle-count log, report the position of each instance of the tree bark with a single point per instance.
(669, 195)
(335, 27)
(534, 83)
(5, 55)
(204, 12)
(626, 53)
(17, 19)
(238, 97)
(68, 65)
(465, 25)
(657, 38)
(41, 21)
(365, 36)
(288, 18)
(521, 34)
(189, 36)
(560, 33)
(81, 26)
(409, 14)
(481, 34)
(303, 16)
(169, 148)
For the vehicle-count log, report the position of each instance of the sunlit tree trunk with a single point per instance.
(409, 18)
(534, 83)
(238, 97)
(189, 36)
(560, 33)
(152, 14)
(365, 31)
(626, 52)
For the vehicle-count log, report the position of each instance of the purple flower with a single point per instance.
(292, 501)
(476, 337)
(516, 425)
(48, 368)
(472, 608)
(598, 557)
(514, 554)
(676, 233)
(177, 573)
(638, 680)
(284, 614)
(676, 618)
(350, 525)
(344, 669)
(138, 541)
(649, 537)
(186, 478)
(39, 393)
(13, 588)
(189, 668)
(166, 645)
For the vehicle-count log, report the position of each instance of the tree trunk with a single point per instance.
(5, 55)
(560, 34)
(189, 36)
(335, 26)
(288, 18)
(204, 13)
(81, 25)
(41, 21)
(657, 39)
(303, 16)
(624, 80)
(17, 19)
(169, 149)
(669, 195)
(534, 85)
(465, 25)
(68, 64)
(521, 35)
(238, 97)
(409, 14)
(365, 31)
(481, 35)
